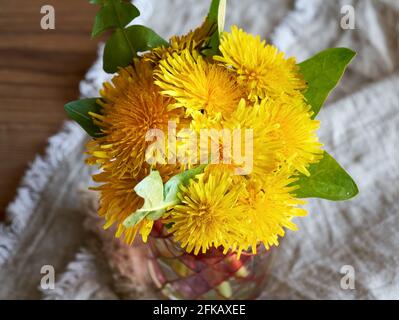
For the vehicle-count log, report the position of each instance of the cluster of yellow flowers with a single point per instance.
(250, 85)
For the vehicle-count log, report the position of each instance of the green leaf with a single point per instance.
(327, 180)
(151, 190)
(123, 45)
(79, 111)
(118, 52)
(114, 14)
(134, 219)
(143, 38)
(322, 72)
(216, 15)
(157, 214)
(157, 197)
(172, 187)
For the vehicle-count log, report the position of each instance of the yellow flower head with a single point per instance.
(267, 209)
(238, 140)
(261, 68)
(295, 134)
(222, 209)
(197, 84)
(252, 119)
(194, 40)
(130, 107)
(208, 215)
(283, 134)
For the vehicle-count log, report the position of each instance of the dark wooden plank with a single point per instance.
(39, 72)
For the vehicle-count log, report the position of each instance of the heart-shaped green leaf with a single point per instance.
(322, 72)
(79, 111)
(327, 180)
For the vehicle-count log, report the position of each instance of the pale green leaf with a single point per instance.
(157, 197)
(151, 190)
(172, 187)
(134, 219)
(155, 215)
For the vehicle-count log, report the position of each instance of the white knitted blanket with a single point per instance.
(53, 221)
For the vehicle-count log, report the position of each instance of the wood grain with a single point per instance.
(39, 72)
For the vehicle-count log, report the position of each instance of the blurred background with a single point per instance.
(49, 218)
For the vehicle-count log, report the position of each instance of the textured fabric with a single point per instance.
(53, 218)
(362, 232)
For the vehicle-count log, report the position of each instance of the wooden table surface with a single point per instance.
(39, 72)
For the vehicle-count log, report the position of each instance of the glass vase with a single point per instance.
(211, 276)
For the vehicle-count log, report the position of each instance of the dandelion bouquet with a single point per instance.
(209, 142)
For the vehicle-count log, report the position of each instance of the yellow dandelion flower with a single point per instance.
(204, 121)
(252, 119)
(208, 215)
(269, 208)
(194, 40)
(241, 140)
(295, 135)
(282, 133)
(197, 84)
(261, 68)
(130, 107)
(117, 201)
